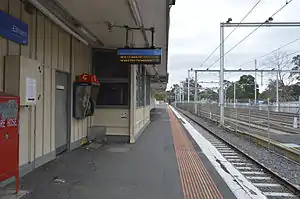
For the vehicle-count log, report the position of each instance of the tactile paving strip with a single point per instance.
(195, 179)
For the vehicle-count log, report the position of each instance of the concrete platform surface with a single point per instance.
(147, 169)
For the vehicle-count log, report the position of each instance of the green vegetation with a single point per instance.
(161, 96)
(244, 87)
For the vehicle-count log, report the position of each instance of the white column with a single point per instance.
(277, 90)
(196, 87)
(196, 92)
(132, 102)
(255, 82)
(234, 94)
(188, 92)
(221, 75)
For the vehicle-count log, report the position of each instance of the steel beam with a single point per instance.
(221, 76)
(264, 71)
(262, 24)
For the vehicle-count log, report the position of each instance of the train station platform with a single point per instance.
(163, 164)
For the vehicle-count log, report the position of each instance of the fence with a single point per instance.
(264, 120)
(287, 107)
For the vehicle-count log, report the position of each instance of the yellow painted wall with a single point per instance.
(57, 51)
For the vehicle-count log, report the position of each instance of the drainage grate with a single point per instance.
(118, 150)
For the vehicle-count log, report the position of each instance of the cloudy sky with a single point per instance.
(195, 33)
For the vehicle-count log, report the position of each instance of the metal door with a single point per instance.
(61, 112)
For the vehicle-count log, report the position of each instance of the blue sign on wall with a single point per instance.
(140, 51)
(140, 55)
(13, 29)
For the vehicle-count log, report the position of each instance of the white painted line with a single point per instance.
(258, 177)
(252, 172)
(267, 184)
(238, 184)
(228, 153)
(244, 168)
(232, 156)
(241, 163)
(236, 160)
(232, 153)
(225, 150)
(278, 194)
(221, 147)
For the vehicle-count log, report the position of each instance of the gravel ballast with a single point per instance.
(285, 168)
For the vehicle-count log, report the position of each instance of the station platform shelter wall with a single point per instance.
(56, 50)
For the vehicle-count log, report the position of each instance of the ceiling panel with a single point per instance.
(156, 17)
(96, 15)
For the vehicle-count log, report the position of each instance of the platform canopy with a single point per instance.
(101, 23)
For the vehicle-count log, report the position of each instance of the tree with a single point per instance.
(294, 92)
(296, 62)
(280, 61)
(171, 93)
(161, 96)
(286, 92)
(209, 94)
(270, 91)
(244, 88)
(174, 87)
(192, 88)
(289, 90)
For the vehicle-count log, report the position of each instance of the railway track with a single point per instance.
(271, 184)
(275, 116)
(279, 124)
(262, 120)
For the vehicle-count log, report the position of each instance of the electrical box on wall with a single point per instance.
(23, 78)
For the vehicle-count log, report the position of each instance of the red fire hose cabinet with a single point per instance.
(9, 137)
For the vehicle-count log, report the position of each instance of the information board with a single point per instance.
(13, 29)
(140, 55)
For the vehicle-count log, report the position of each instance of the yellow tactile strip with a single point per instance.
(195, 179)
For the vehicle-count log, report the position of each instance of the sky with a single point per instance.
(195, 33)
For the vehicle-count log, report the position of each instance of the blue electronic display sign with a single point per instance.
(13, 29)
(140, 55)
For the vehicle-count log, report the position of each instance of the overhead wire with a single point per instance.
(269, 53)
(287, 55)
(247, 36)
(250, 11)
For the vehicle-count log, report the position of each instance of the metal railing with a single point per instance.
(264, 120)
